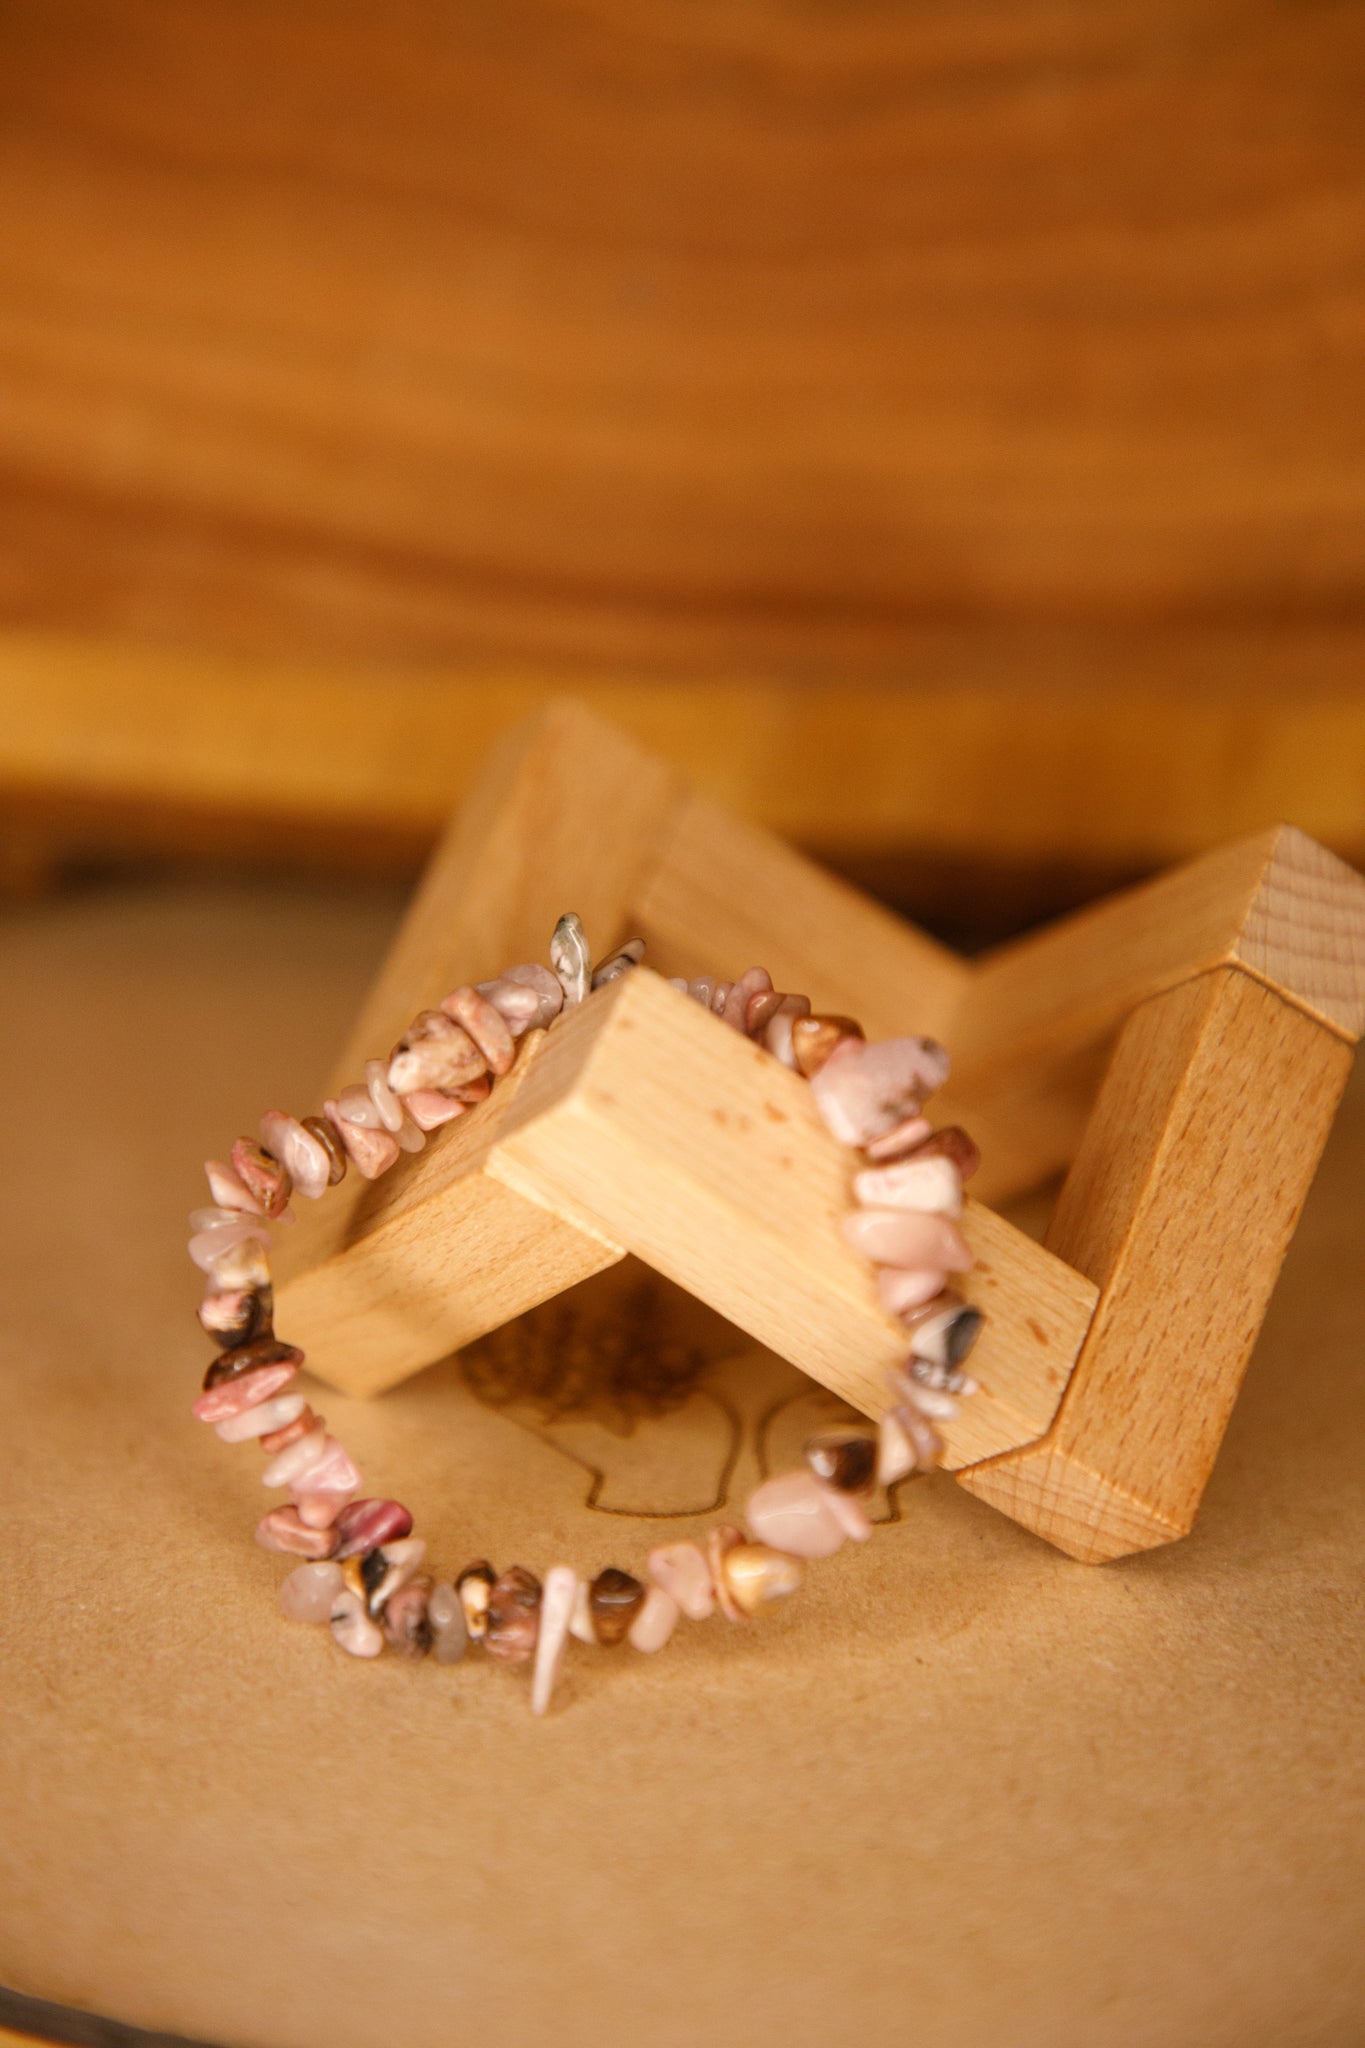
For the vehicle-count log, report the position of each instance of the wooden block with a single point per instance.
(706, 1157)
(1179, 1206)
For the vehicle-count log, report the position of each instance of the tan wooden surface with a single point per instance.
(678, 335)
(1020, 769)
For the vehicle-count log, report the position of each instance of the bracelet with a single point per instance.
(362, 1564)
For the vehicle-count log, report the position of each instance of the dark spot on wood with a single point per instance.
(1039, 1332)
(721, 1116)
(774, 1114)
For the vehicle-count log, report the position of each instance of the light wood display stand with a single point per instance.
(1179, 1049)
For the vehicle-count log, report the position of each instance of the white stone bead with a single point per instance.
(558, 1598)
(289, 1465)
(351, 1626)
(655, 1622)
(309, 1593)
(895, 1452)
(933, 1186)
(580, 1620)
(793, 1513)
(681, 1571)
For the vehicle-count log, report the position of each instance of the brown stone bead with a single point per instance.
(280, 1439)
(474, 1585)
(814, 1039)
(237, 1315)
(847, 1461)
(318, 1127)
(952, 1142)
(405, 1621)
(614, 1600)
(513, 1616)
(228, 1365)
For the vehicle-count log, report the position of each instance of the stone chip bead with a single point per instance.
(266, 1176)
(235, 1396)
(721, 1539)
(244, 1358)
(902, 1139)
(282, 1529)
(474, 1586)
(776, 1031)
(309, 1593)
(618, 963)
(406, 1624)
(796, 1513)
(944, 1330)
(512, 1621)
(434, 1052)
(429, 1109)
(234, 1315)
(757, 1576)
(485, 1024)
(371, 1148)
(903, 1237)
(681, 1571)
(384, 1570)
(844, 1459)
(570, 958)
(326, 1135)
(445, 1618)
(949, 1142)
(352, 1627)
(929, 1185)
(755, 981)
(300, 1151)
(260, 1420)
(290, 1432)
(366, 1525)
(228, 1189)
(556, 1612)
(813, 1039)
(528, 996)
(655, 1622)
(863, 1091)
(233, 1251)
(614, 1600)
(904, 1294)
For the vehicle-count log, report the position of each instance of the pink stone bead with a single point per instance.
(519, 1007)
(298, 1458)
(753, 982)
(701, 988)
(934, 1402)
(212, 1249)
(929, 1186)
(720, 995)
(901, 1138)
(260, 1420)
(309, 1592)
(367, 1524)
(655, 1622)
(335, 1473)
(543, 984)
(351, 1627)
(304, 1421)
(387, 1105)
(266, 1176)
(776, 1033)
(213, 1218)
(228, 1188)
(581, 1623)
(902, 1292)
(863, 1091)
(556, 1612)
(358, 1106)
(281, 1529)
(899, 1237)
(434, 1052)
(372, 1151)
(429, 1109)
(895, 1452)
(319, 1510)
(850, 1511)
(681, 1571)
(234, 1397)
(794, 1513)
(485, 1024)
(299, 1151)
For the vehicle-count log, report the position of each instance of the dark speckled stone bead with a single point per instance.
(614, 1600)
(845, 1460)
(513, 1616)
(265, 1176)
(474, 1585)
(230, 1365)
(406, 1625)
(237, 1315)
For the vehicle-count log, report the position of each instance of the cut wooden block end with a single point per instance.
(1076, 1510)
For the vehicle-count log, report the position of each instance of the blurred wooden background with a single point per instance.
(964, 399)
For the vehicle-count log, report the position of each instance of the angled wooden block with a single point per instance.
(1228, 993)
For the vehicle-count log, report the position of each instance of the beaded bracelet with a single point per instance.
(362, 1571)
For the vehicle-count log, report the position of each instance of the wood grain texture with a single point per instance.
(677, 332)
(1180, 1205)
(706, 1157)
